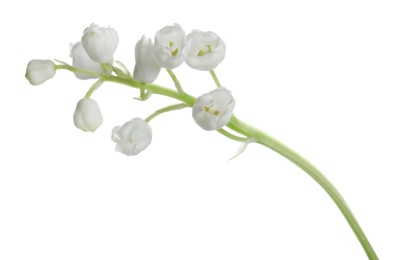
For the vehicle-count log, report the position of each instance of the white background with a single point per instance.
(330, 79)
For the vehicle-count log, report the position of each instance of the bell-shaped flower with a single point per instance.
(170, 46)
(207, 50)
(87, 116)
(39, 71)
(213, 110)
(100, 43)
(147, 68)
(132, 137)
(82, 61)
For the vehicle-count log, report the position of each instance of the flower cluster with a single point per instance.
(92, 57)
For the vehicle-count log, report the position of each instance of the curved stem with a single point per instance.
(216, 81)
(176, 82)
(76, 70)
(166, 109)
(154, 88)
(258, 136)
(232, 136)
(298, 160)
(95, 86)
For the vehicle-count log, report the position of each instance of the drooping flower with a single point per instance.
(207, 50)
(170, 46)
(100, 43)
(147, 68)
(132, 137)
(81, 60)
(39, 71)
(87, 115)
(213, 110)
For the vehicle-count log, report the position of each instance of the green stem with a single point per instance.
(298, 160)
(232, 136)
(176, 82)
(166, 109)
(95, 86)
(76, 70)
(154, 88)
(216, 81)
(260, 137)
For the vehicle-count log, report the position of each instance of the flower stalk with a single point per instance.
(264, 139)
(176, 82)
(212, 111)
(216, 81)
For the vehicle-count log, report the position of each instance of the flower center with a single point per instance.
(173, 50)
(205, 50)
(211, 110)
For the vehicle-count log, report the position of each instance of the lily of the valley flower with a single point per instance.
(207, 50)
(132, 137)
(100, 43)
(213, 110)
(147, 68)
(170, 46)
(87, 116)
(39, 71)
(81, 60)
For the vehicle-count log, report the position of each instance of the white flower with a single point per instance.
(100, 43)
(87, 116)
(207, 50)
(147, 67)
(213, 110)
(132, 137)
(170, 46)
(39, 71)
(81, 60)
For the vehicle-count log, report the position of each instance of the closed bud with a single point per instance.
(39, 71)
(147, 68)
(87, 115)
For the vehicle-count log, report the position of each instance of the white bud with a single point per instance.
(39, 71)
(207, 50)
(100, 43)
(170, 46)
(82, 61)
(87, 116)
(213, 110)
(147, 68)
(132, 137)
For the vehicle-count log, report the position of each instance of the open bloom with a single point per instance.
(207, 50)
(100, 43)
(147, 67)
(213, 110)
(81, 60)
(170, 46)
(132, 137)
(39, 71)
(87, 116)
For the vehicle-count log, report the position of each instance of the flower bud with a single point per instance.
(213, 110)
(132, 137)
(39, 71)
(207, 50)
(87, 116)
(82, 61)
(170, 46)
(147, 67)
(100, 43)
